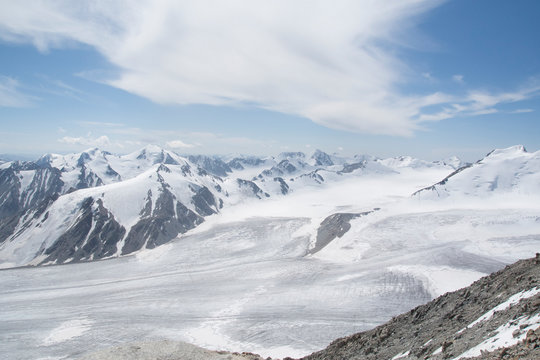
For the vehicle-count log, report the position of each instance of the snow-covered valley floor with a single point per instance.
(242, 280)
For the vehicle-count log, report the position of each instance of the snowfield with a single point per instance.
(242, 281)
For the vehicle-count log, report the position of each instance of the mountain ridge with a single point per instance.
(510, 170)
(114, 205)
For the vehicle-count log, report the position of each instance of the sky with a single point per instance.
(425, 78)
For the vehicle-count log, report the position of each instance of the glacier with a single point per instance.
(243, 280)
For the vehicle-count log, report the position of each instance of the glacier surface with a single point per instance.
(243, 280)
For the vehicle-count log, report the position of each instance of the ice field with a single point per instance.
(242, 281)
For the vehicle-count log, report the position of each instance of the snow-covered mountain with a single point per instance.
(511, 171)
(279, 273)
(94, 205)
(410, 162)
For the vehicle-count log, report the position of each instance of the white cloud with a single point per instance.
(10, 94)
(477, 103)
(428, 76)
(458, 78)
(178, 144)
(333, 62)
(101, 124)
(86, 141)
(521, 111)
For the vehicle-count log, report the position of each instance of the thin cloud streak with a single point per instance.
(11, 95)
(477, 103)
(522, 111)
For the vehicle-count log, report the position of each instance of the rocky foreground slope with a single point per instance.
(497, 317)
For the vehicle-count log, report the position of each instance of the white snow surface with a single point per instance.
(241, 280)
(512, 300)
(438, 280)
(67, 330)
(511, 172)
(505, 336)
(401, 355)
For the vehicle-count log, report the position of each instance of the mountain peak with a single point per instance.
(288, 155)
(92, 151)
(321, 158)
(516, 150)
(151, 149)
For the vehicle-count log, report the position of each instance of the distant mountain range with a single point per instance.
(96, 205)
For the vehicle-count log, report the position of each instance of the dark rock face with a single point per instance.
(322, 159)
(445, 328)
(22, 206)
(274, 171)
(88, 179)
(212, 165)
(240, 163)
(168, 219)
(334, 226)
(46, 185)
(94, 236)
(283, 185)
(163, 157)
(286, 167)
(9, 193)
(252, 188)
(292, 155)
(236, 164)
(315, 176)
(204, 201)
(349, 168)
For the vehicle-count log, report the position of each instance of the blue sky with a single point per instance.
(424, 78)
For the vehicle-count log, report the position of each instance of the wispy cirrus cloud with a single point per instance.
(101, 124)
(332, 62)
(477, 103)
(11, 94)
(521, 111)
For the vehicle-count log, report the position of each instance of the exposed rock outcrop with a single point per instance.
(165, 350)
(497, 317)
(334, 226)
